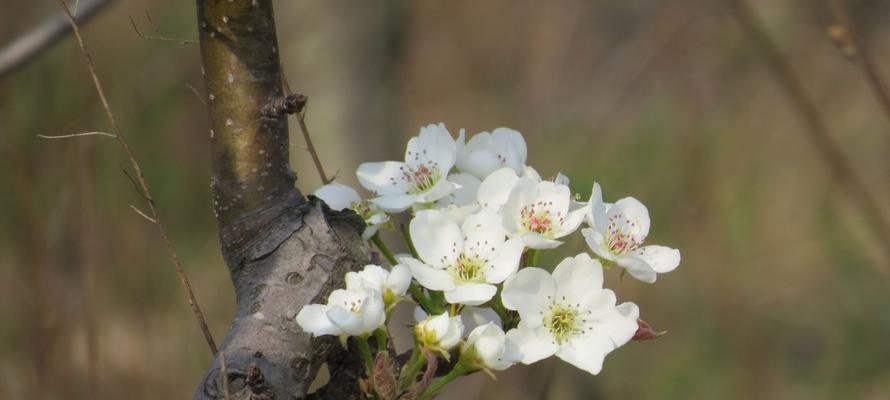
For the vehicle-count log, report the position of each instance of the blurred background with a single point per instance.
(780, 294)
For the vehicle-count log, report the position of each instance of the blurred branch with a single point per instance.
(859, 52)
(32, 44)
(199, 316)
(76, 135)
(816, 128)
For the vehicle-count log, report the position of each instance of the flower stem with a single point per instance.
(533, 257)
(458, 370)
(366, 353)
(408, 241)
(416, 362)
(387, 253)
(381, 337)
(420, 297)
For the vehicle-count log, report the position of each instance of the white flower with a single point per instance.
(420, 179)
(356, 312)
(617, 233)
(538, 212)
(568, 314)
(392, 284)
(339, 197)
(474, 317)
(464, 261)
(439, 333)
(486, 152)
(484, 349)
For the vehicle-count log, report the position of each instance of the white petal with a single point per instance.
(561, 179)
(495, 189)
(465, 194)
(338, 196)
(429, 277)
(660, 258)
(489, 342)
(578, 278)
(511, 146)
(454, 333)
(530, 291)
(597, 243)
(313, 319)
(573, 220)
(505, 261)
(586, 352)
(534, 240)
(596, 217)
(529, 345)
(637, 268)
(383, 178)
(441, 189)
(399, 280)
(395, 203)
(483, 233)
(479, 163)
(530, 172)
(349, 322)
(559, 196)
(472, 294)
(620, 325)
(477, 316)
(436, 237)
(372, 312)
(434, 147)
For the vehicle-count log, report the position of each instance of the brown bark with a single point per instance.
(282, 251)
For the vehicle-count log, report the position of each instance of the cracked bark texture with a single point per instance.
(282, 250)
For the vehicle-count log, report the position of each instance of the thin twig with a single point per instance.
(860, 53)
(301, 120)
(197, 93)
(76, 135)
(817, 130)
(30, 45)
(155, 213)
(138, 211)
(224, 376)
(160, 38)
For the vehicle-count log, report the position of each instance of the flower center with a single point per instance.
(468, 269)
(620, 239)
(353, 305)
(562, 321)
(539, 219)
(424, 176)
(363, 209)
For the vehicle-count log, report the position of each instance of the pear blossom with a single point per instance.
(421, 178)
(339, 197)
(537, 212)
(438, 333)
(617, 232)
(391, 284)
(485, 152)
(568, 314)
(353, 312)
(484, 349)
(464, 261)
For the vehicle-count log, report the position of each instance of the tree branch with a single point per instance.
(282, 251)
(32, 44)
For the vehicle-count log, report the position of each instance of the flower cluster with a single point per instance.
(478, 219)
